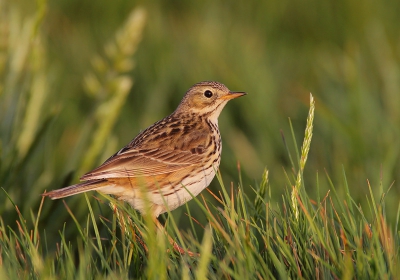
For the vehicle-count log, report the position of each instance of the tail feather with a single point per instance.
(75, 189)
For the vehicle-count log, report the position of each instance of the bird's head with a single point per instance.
(206, 99)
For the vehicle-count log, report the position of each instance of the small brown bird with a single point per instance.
(170, 161)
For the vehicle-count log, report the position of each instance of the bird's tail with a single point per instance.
(75, 189)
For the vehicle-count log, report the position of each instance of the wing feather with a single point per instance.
(161, 149)
(137, 163)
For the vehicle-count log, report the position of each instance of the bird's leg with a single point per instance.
(175, 245)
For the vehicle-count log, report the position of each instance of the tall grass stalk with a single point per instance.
(109, 83)
(305, 148)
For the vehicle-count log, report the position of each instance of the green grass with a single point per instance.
(328, 238)
(78, 80)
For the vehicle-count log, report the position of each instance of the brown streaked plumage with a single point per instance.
(177, 154)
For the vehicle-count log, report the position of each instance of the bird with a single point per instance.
(168, 163)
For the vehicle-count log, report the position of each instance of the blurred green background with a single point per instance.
(346, 52)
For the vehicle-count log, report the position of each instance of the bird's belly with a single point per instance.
(188, 188)
(162, 197)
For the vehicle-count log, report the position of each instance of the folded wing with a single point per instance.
(143, 162)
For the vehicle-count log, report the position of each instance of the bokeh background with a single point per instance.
(346, 52)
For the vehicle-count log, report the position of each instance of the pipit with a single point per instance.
(168, 163)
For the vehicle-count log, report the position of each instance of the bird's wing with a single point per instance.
(158, 150)
(140, 163)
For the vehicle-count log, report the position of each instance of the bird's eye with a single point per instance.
(208, 93)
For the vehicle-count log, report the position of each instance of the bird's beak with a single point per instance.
(232, 95)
